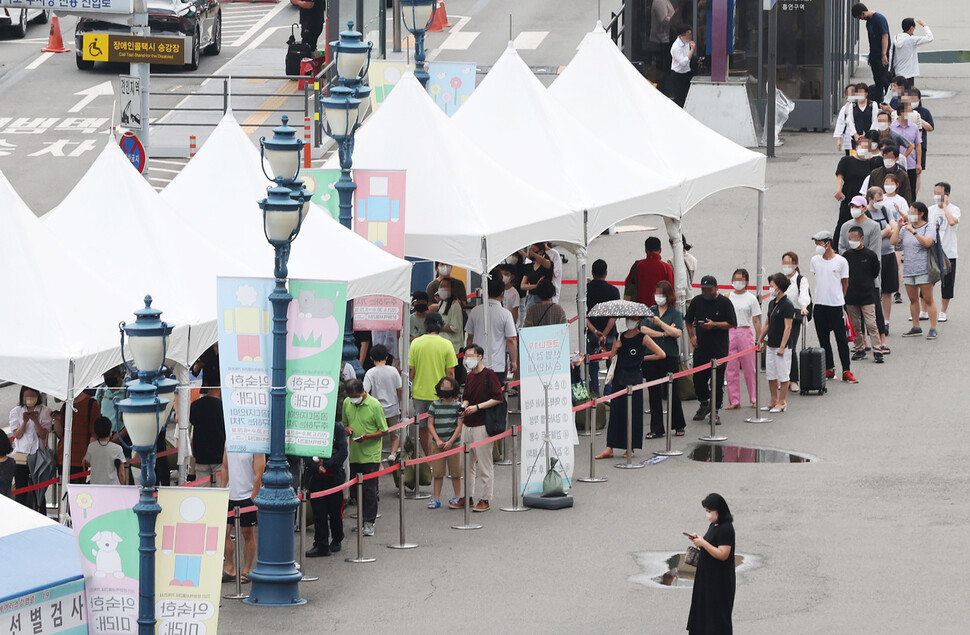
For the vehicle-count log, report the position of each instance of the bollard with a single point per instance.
(629, 465)
(713, 436)
(516, 507)
(237, 559)
(360, 523)
(506, 453)
(592, 478)
(306, 142)
(467, 494)
(191, 146)
(758, 418)
(402, 544)
(303, 504)
(417, 494)
(670, 418)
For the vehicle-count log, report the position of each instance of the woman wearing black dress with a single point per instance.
(713, 597)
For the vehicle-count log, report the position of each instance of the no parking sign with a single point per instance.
(134, 150)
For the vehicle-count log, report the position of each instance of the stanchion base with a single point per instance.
(586, 434)
(714, 438)
(514, 509)
(236, 596)
(360, 559)
(310, 578)
(466, 527)
(629, 466)
(502, 462)
(405, 545)
(592, 479)
(417, 497)
(757, 420)
(666, 453)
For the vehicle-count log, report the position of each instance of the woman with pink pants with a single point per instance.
(747, 308)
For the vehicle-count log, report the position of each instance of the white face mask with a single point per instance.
(855, 98)
(912, 218)
(773, 290)
(882, 125)
(862, 153)
(471, 363)
(890, 189)
(876, 204)
(632, 323)
(854, 244)
(739, 285)
(888, 163)
(938, 199)
(660, 300)
(912, 116)
(820, 250)
(444, 270)
(915, 104)
(357, 400)
(855, 211)
(787, 269)
(506, 279)
(30, 401)
(444, 294)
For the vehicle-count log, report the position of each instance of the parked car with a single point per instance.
(197, 22)
(14, 21)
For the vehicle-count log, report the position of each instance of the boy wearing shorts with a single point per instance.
(383, 382)
(445, 426)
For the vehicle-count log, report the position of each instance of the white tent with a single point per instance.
(514, 119)
(464, 208)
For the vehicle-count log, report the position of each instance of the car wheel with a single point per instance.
(43, 18)
(83, 64)
(19, 30)
(216, 46)
(196, 51)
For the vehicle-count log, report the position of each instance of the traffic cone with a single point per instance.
(55, 43)
(440, 19)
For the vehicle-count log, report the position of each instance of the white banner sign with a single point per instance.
(74, 6)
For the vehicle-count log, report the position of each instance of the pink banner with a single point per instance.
(379, 217)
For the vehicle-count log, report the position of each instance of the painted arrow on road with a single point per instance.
(90, 94)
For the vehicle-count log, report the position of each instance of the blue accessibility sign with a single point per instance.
(134, 150)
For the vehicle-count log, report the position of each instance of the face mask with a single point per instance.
(773, 290)
(444, 270)
(854, 244)
(30, 401)
(660, 300)
(820, 250)
(877, 204)
(938, 199)
(854, 98)
(471, 363)
(912, 218)
(357, 400)
(506, 279)
(446, 394)
(882, 125)
(862, 153)
(444, 294)
(512, 260)
(631, 323)
(912, 116)
(856, 212)
(739, 285)
(709, 296)
(915, 104)
(888, 163)
(787, 270)
(897, 93)
(890, 189)
(420, 308)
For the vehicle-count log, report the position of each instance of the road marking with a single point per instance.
(260, 24)
(257, 119)
(529, 40)
(458, 36)
(40, 60)
(90, 94)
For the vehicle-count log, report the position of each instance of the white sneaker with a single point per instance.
(923, 315)
(368, 529)
(941, 317)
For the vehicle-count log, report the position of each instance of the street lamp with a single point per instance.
(145, 412)
(418, 15)
(275, 577)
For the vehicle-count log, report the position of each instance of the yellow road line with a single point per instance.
(257, 119)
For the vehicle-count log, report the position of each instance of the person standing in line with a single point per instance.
(30, 423)
(907, 125)
(243, 474)
(556, 259)
(600, 331)
(889, 164)
(800, 298)
(431, 358)
(510, 295)
(893, 205)
(457, 286)
(878, 29)
(862, 294)
(365, 426)
(850, 174)
(445, 424)
(483, 390)
(666, 327)
(747, 310)
(712, 599)
(646, 273)
(862, 218)
(681, 53)
(86, 411)
(831, 273)
(104, 458)
(502, 337)
(709, 318)
(845, 127)
(946, 216)
(208, 433)
(328, 511)
(906, 60)
(917, 235)
(383, 382)
(777, 335)
(538, 269)
(864, 112)
(925, 122)
(450, 308)
(419, 310)
(544, 311)
(312, 14)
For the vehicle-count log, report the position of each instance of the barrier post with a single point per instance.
(415, 441)
(713, 436)
(592, 478)
(191, 146)
(516, 507)
(306, 142)
(629, 465)
(237, 558)
(670, 418)
(360, 523)
(302, 512)
(757, 418)
(467, 493)
(400, 496)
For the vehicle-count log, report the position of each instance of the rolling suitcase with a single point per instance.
(811, 368)
(296, 50)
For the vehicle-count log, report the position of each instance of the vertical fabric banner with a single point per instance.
(546, 389)
(379, 217)
(382, 77)
(315, 323)
(451, 84)
(190, 543)
(323, 185)
(107, 538)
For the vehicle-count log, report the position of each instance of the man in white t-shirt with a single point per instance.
(383, 383)
(831, 282)
(946, 216)
(501, 327)
(556, 259)
(243, 474)
(510, 298)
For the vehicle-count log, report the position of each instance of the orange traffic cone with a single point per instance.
(440, 19)
(55, 43)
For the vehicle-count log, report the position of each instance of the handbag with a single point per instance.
(580, 393)
(42, 465)
(933, 268)
(610, 372)
(685, 385)
(495, 418)
(424, 469)
(693, 556)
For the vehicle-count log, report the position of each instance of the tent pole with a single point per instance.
(66, 455)
(680, 272)
(581, 301)
(486, 345)
(760, 264)
(405, 345)
(184, 405)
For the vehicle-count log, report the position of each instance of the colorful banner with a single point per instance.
(546, 389)
(315, 322)
(323, 185)
(382, 77)
(59, 609)
(451, 83)
(107, 536)
(190, 543)
(379, 217)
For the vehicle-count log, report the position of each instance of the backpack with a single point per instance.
(811, 303)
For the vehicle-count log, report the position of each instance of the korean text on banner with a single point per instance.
(189, 543)
(546, 389)
(57, 610)
(315, 322)
(107, 536)
(379, 217)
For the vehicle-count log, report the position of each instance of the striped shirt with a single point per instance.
(445, 417)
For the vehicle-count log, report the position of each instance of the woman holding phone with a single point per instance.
(712, 601)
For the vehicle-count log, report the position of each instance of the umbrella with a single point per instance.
(620, 308)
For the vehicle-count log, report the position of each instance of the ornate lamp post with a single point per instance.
(275, 576)
(418, 15)
(144, 412)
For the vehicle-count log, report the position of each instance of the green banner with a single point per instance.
(321, 183)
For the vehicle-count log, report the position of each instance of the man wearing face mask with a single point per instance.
(419, 304)
(862, 293)
(887, 216)
(849, 176)
(365, 425)
(946, 216)
(890, 165)
(907, 125)
(483, 390)
(502, 337)
(510, 295)
(831, 281)
(458, 291)
(709, 318)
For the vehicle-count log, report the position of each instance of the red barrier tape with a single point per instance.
(386, 470)
(201, 481)
(334, 490)
(435, 457)
(488, 440)
(622, 283)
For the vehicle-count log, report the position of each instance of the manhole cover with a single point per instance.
(716, 453)
(664, 570)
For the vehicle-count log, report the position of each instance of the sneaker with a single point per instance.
(897, 299)
(913, 332)
(849, 378)
(877, 357)
(717, 420)
(481, 506)
(335, 547)
(857, 355)
(923, 315)
(931, 335)
(941, 317)
(368, 529)
(702, 411)
(830, 373)
(391, 458)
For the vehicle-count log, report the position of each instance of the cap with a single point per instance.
(708, 282)
(858, 201)
(823, 235)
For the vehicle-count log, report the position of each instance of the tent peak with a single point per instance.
(599, 27)
(510, 48)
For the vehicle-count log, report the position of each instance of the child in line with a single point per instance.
(383, 382)
(104, 458)
(445, 426)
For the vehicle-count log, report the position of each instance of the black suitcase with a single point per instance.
(811, 369)
(295, 52)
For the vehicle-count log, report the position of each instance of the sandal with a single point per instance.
(651, 435)
(734, 406)
(227, 578)
(456, 503)
(434, 504)
(679, 433)
(244, 579)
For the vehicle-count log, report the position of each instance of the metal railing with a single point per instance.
(617, 26)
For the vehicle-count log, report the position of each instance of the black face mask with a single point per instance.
(420, 308)
(710, 297)
(446, 394)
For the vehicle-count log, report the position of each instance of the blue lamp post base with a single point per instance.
(147, 510)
